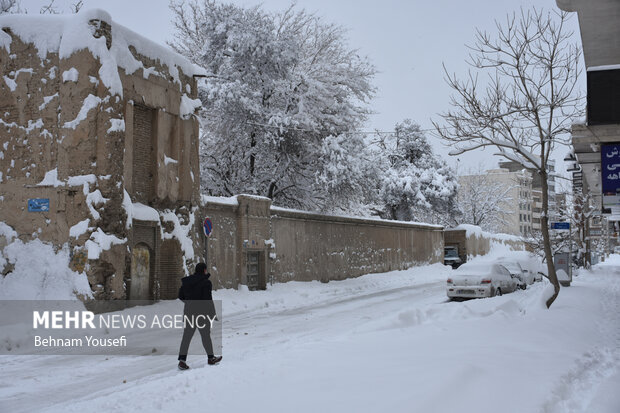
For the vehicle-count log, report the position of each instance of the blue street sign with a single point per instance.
(610, 168)
(560, 225)
(207, 227)
(39, 205)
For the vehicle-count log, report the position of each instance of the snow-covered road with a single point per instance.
(389, 342)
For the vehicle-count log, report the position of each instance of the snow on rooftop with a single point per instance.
(67, 34)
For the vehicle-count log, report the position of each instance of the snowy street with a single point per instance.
(389, 342)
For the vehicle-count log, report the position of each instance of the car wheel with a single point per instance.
(523, 286)
(498, 292)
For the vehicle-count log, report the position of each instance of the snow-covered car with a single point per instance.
(480, 279)
(530, 263)
(523, 277)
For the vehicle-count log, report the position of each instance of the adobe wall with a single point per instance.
(220, 250)
(320, 247)
(299, 246)
(78, 127)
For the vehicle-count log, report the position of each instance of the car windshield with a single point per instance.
(450, 253)
(511, 266)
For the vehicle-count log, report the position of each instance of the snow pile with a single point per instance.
(92, 200)
(38, 272)
(137, 210)
(181, 233)
(47, 100)
(51, 179)
(78, 229)
(70, 75)
(100, 241)
(118, 125)
(91, 102)
(143, 212)
(188, 106)
(84, 181)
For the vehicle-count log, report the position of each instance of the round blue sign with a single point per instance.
(207, 227)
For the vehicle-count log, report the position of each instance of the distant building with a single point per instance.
(537, 191)
(517, 218)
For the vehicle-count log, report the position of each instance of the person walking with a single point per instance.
(196, 293)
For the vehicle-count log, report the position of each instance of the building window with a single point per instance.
(143, 167)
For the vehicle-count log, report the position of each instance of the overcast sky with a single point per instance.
(407, 40)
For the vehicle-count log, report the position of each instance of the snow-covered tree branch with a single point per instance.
(484, 202)
(279, 86)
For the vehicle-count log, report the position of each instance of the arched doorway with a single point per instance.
(140, 273)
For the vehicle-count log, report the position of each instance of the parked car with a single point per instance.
(480, 279)
(531, 263)
(451, 257)
(523, 276)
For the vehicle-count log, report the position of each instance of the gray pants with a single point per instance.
(188, 333)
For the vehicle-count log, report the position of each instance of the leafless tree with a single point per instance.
(8, 6)
(484, 201)
(49, 8)
(527, 102)
(77, 6)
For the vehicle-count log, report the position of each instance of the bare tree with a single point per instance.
(484, 201)
(77, 6)
(8, 6)
(528, 102)
(49, 8)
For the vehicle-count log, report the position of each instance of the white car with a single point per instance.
(530, 263)
(525, 278)
(480, 279)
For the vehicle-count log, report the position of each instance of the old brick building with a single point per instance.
(99, 149)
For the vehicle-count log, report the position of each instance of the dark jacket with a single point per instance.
(195, 292)
(196, 287)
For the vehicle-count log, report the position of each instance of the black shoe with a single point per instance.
(183, 365)
(214, 360)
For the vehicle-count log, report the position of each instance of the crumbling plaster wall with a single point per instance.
(58, 115)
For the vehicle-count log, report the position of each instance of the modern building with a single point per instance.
(537, 191)
(596, 141)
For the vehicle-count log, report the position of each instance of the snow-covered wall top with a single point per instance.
(67, 34)
(473, 230)
(370, 220)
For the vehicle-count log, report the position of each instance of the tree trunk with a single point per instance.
(252, 154)
(546, 240)
(272, 190)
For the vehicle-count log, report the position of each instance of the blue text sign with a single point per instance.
(38, 205)
(560, 225)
